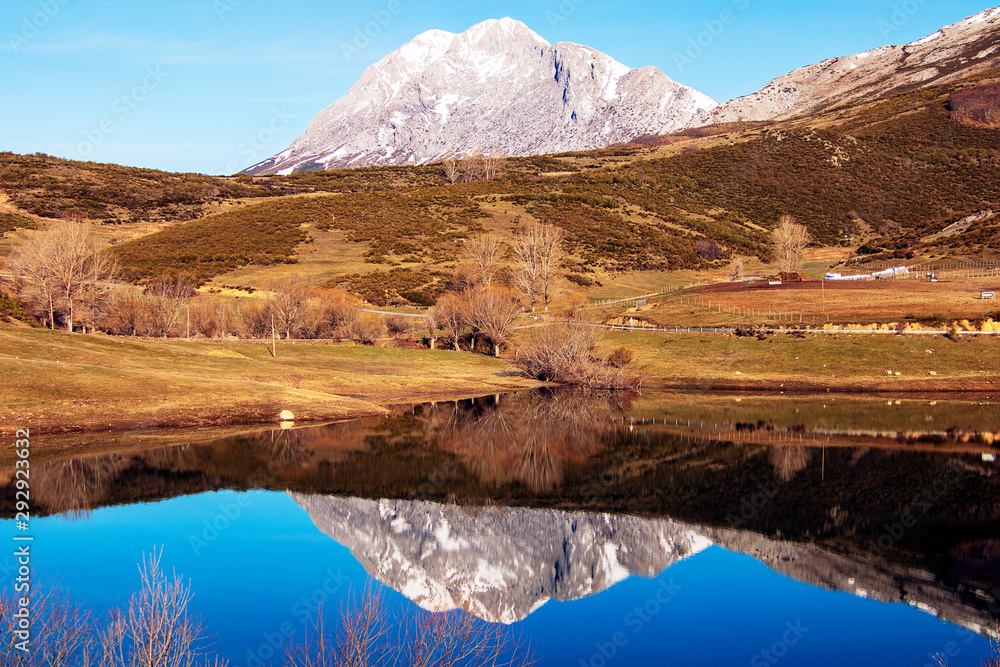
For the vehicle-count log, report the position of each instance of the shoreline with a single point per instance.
(246, 418)
(56, 382)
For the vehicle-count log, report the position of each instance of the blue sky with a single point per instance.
(213, 86)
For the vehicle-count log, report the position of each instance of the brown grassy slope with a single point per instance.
(54, 381)
(829, 301)
(882, 176)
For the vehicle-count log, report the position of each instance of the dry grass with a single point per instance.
(838, 302)
(817, 361)
(54, 381)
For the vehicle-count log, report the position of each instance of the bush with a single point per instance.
(563, 353)
(398, 324)
(620, 358)
(418, 299)
(368, 328)
(254, 320)
(11, 308)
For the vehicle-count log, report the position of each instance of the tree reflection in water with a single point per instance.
(527, 438)
(790, 461)
(72, 486)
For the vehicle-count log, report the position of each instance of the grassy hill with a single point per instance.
(883, 179)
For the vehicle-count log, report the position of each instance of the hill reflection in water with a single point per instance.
(813, 487)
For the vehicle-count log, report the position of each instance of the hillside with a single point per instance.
(48, 187)
(888, 178)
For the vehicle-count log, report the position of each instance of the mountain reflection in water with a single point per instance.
(542, 492)
(501, 564)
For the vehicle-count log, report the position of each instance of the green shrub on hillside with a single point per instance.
(11, 308)
(9, 222)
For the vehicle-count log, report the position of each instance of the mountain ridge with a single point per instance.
(496, 86)
(435, 96)
(954, 52)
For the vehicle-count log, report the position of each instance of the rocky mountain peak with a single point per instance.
(496, 86)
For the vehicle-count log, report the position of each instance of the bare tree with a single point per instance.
(452, 170)
(368, 328)
(537, 253)
(33, 266)
(790, 241)
(737, 268)
(330, 313)
(126, 314)
(452, 312)
(288, 305)
(495, 311)
(60, 626)
(204, 320)
(253, 319)
(484, 252)
(162, 304)
(225, 318)
(62, 267)
(565, 353)
(369, 637)
(156, 630)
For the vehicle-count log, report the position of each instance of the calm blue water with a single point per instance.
(264, 572)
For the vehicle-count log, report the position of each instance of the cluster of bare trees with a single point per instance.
(537, 252)
(492, 296)
(63, 274)
(369, 636)
(531, 439)
(483, 310)
(476, 166)
(157, 629)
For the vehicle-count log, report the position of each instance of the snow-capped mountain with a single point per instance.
(503, 563)
(954, 52)
(497, 86)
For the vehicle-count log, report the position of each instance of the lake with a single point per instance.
(600, 529)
